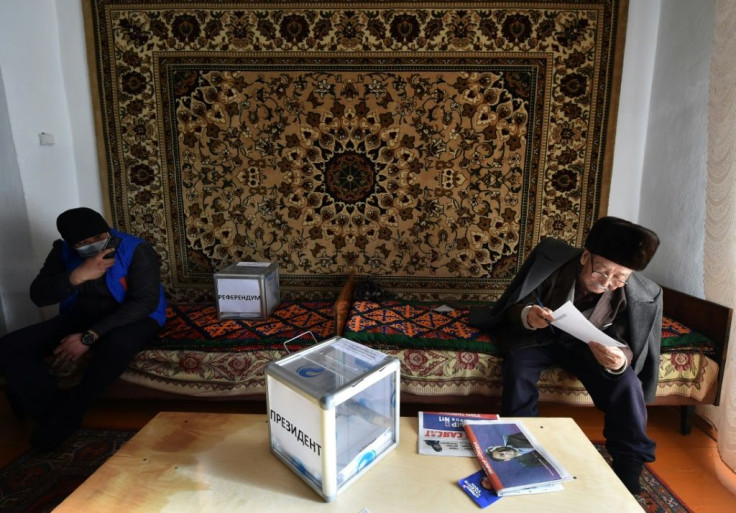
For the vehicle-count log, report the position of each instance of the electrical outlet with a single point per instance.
(46, 139)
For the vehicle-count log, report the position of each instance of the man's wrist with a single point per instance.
(616, 372)
(524, 315)
(89, 337)
(74, 278)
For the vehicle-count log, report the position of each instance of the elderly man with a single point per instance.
(108, 286)
(601, 281)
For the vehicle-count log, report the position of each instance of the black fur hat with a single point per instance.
(78, 224)
(623, 242)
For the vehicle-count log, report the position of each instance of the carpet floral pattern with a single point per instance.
(425, 147)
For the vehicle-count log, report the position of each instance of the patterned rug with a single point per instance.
(38, 483)
(656, 496)
(429, 147)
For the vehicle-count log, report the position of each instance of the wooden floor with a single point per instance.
(689, 464)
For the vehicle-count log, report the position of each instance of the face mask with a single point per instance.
(91, 249)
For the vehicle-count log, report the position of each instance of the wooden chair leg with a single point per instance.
(686, 419)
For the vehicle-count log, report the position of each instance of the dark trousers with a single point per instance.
(34, 390)
(621, 398)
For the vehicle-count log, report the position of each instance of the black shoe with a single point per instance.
(53, 432)
(629, 472)
(18, 412)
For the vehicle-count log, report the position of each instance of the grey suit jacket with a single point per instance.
(643, 296)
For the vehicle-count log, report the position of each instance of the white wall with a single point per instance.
(660, 160)
(675, 163)
(76, 81)
(633, 108)
(41, 179)
(53, 95)
(16, 308)
(37, 101)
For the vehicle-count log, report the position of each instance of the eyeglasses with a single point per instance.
(602, 276)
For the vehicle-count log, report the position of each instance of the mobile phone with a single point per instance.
(112, 243)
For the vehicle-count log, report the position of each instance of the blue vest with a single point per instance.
(115, 277)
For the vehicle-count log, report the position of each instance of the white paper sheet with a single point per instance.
(571, 320)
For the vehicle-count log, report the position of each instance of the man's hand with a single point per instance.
(92, 268)
(612, 358)
(539, 317)
(71, 347)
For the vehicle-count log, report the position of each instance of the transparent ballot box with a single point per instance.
(247, 290)
(333, 412)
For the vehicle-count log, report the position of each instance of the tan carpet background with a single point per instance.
(427, 146)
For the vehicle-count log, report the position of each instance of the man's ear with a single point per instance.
(585, 256)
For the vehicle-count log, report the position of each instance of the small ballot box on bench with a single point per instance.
(247, 290)
(333, 412)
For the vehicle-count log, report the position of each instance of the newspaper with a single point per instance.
(443, 434)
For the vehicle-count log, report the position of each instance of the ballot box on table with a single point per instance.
(333, 412)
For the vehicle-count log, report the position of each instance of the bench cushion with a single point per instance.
(399, 324)
(199, 355)
(196, 354)
(441, 354)
(197, 328)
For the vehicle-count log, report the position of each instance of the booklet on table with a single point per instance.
(513, 459)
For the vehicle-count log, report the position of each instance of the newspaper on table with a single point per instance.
(443, 434)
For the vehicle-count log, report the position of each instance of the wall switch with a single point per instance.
(46, 139)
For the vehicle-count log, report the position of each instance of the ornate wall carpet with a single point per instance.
(425, 145)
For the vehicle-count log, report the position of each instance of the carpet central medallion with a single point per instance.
(349, 178)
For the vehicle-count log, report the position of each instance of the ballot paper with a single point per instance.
(571, 320)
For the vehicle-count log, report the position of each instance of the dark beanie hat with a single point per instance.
(623, 242)
(81, 223)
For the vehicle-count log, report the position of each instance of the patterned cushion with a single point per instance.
(197, 328)
(410, 325)
(440, 354)
(402, 325)
(678, 337)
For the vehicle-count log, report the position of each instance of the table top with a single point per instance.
(201, 462)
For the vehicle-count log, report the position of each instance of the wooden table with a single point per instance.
(202, 462)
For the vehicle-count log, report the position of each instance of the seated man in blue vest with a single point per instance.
(111, 304)
(601, 281)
